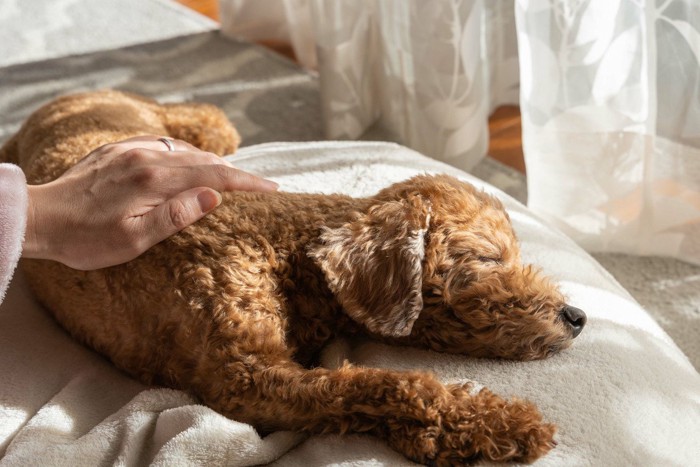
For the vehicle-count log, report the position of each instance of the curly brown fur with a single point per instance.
(233, 307)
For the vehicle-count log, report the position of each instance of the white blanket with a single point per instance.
(623, 394)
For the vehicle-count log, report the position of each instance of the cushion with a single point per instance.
(623, 394)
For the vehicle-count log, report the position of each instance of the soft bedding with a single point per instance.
(623, 394)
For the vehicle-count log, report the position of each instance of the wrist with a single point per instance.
(37, 237)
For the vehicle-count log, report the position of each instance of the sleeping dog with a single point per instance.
(235, 308)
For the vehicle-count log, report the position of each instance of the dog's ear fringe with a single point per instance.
(373, 264)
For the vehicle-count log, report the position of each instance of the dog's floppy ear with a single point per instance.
(373, 264)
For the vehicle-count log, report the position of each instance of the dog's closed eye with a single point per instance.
(489, 259)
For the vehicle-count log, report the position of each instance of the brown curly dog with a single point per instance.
(234, 308)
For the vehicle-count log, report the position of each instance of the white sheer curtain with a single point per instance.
(610, 97)
(423, 73)
(611, 119)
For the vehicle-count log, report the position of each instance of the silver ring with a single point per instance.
(168, 142)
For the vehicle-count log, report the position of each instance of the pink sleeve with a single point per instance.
(13, 220)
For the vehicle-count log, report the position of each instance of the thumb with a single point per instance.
(179, 212)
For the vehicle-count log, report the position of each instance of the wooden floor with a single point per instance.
(208, 8)
(505, 144)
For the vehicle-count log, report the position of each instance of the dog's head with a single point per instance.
(435, 262)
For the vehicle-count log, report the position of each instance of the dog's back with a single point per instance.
(155, 315)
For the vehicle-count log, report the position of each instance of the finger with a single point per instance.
(218, 177)
(169, 181)
(177, 158)
(177, 213)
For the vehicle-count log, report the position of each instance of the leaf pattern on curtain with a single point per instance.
(611, 121)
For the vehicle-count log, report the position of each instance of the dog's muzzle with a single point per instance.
(575, 318)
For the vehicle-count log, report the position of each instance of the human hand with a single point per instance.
(124, 198)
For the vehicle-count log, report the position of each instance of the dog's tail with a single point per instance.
(201, 125)
(9, 151)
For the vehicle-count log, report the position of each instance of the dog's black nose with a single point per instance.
(575, 318)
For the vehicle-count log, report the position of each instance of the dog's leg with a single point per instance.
(201, 125)
(413, 412)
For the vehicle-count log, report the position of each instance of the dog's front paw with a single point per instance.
(472, 427)
(499, 429)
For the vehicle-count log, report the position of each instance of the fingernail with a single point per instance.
(270, 184)
(208, 200)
